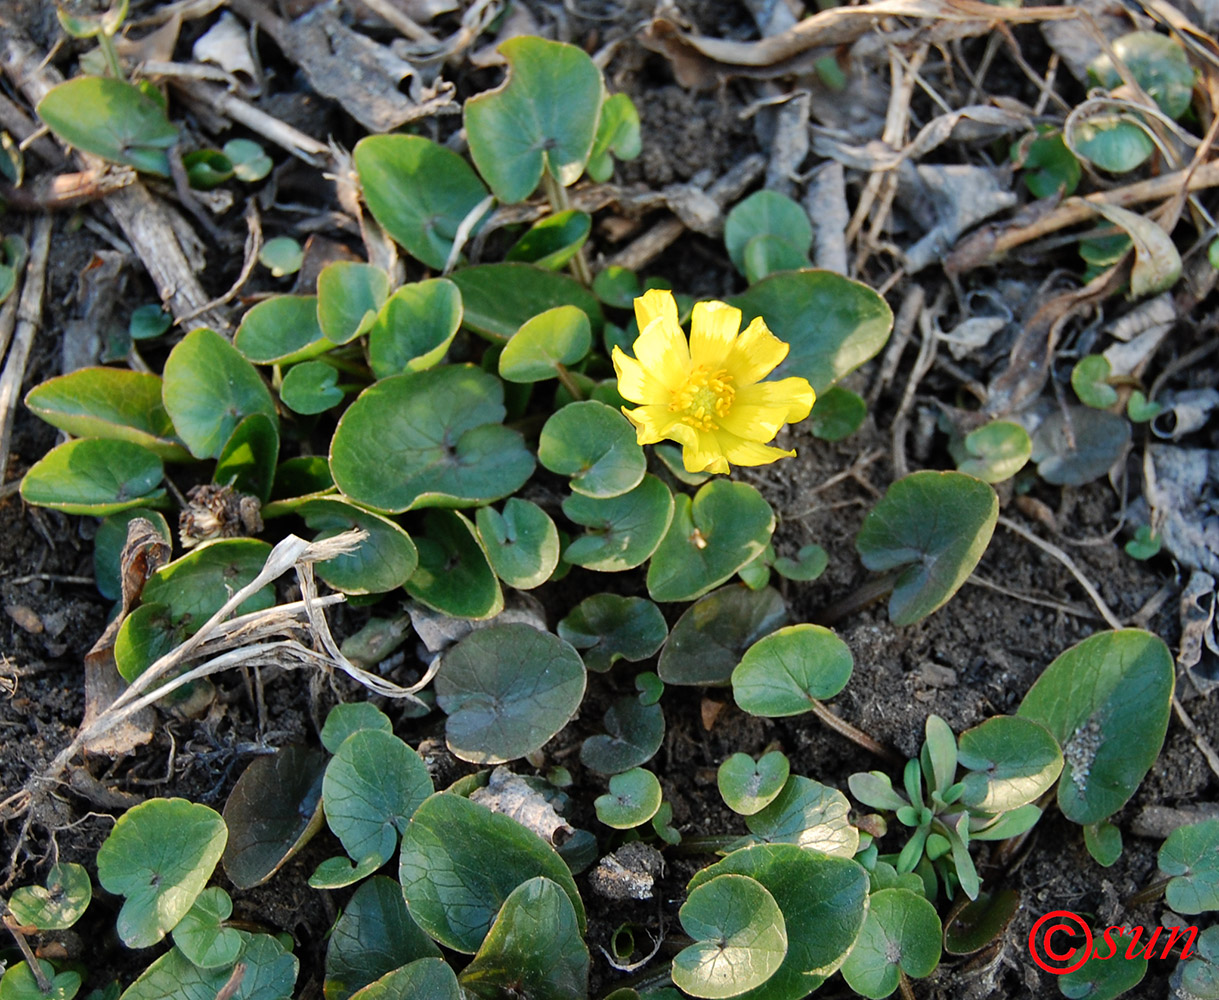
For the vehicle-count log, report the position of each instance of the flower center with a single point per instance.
(704, 395)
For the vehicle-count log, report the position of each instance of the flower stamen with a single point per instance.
(704, 395)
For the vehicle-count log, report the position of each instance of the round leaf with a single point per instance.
(809, 814)
(787, 671)
(201, 934)
(766, 213)
(544, 117)
(934, 527)
(350, 717)
(1158, 64)
(500, 298)
(271, 813)
(740, 938)
(823, 901)
(747, 786)
(269, 974)
(726, 526)
(507, 689)
(452, 892)
(196, 586)
(1108, 973)
(623, 531)
(249, 159)
(607, 628)
(634, 798)
(372, 786)
(1191, 855)
(712, 635)
(595, 445)
(159, 855)
(901, 934)
(383, 561)
(147, 634)
(1012, 760)
(281, 256)
(534, 949)
(414, 328)
(94, 476)
(617, 286)
(18, 983)
(1107, 701)
(430, 438)
(311, 387)
(1080, 446)
(837, 414)
(1090, 380)
(148, 321)
(424, 977)
(418, 191)
(1112, 142)
(559, 336)
(635, 733)
(281, 330)
(59, 904)
(109, 403)
(374, 936)
(207, 168)
(453, 576)
(999, 450)
(1049, 167)
(766, 254)
(349, 296)
(522, 542)
(554, 241)
(209, 388)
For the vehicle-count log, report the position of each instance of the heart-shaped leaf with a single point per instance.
(94, 476)
(453, 575)
(595, 445)
(766, 214)
(712, 635)
(1099, 978)
(522, 542)
(635, 732)
(748, 786)
(108, 546)
(784, 673)
(622, 531)
(810, 814)
(500, 298)
(159, 855)
(544, 117)
(350, 717)
(607, 628)
(1107, 701)
(551, 243)
(1090, 380)
(1075, 448)
(202, 936)
(740, 938)
(281, 330)
(1158, 64)
(414, 328)
(900, 935)
(837, 414)
(1012, 760)
(349, 296)
(418, 191)
(268, 973)
(634, 797)
(452, 892)
(1190, 855)
(429, 438)
(995, 452)
(1049, 167)
(934, 527)
(56, 906)
(725, 526)
(383, 561)
(810, 562)
(559, 336)
(311, 387)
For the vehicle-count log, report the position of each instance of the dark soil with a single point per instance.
(974, 658)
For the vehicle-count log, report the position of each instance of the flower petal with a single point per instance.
(703, 453)
(713, 329)
(654, 423)
(741, 452)
(656, 303)
(636, 384)
(759, 410)
(755, 354)
(664, 353)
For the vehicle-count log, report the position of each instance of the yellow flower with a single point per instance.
(707, 395)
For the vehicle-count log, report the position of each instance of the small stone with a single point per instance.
(27, 618)
(628, 873)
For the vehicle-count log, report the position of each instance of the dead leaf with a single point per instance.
(1180, 487)
(1184, 412)
(26, 617)
(156, 46)
(1197, 616)
(710, 711)
(227, 44)
(1157, 265)
(959, 195)
(515, 797)
(438, 631)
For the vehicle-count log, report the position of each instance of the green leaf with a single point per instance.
(607, 628)
(430, 438)
(381, 562)
(1079, 446)
(1158, 64)
(1012, 761)
(196, 586)
(726, 526)
(980, 922)
(740, 938)
(543, 117)
(766, 213)
(559, 336)
(159, 855)
(534, 949)
(838, 413)
(767, 254)
(875, 789)
(374, 936)
(59, 904)
(1191, 855)
(271, 813)
(634, 797)
(301, 477)
(112, 119)
(1116, 143)
(339, 873)
(746, 786)
(1050, 168)
(785, 672)
(419, 192)
(147, 634)
(995, 452)
(209, 389)
(281, 256)
(424, 977)
(109, 403)
(249, 159)
(507, 689)
(595, 445)
(522, 542)
(247, 460)
(1144, 545)
(712, 635)
(933, 527)
(1107, 973)
(551, 243)
(1140, 409)
(1107, 701)
(617, 286)
(650, 687)
(901, 934)
(351, 717)
(269, 974)
(1157, 263)
(349, 296)
(1199, 975)
(311, 387)
(452, 892)
(1090, 380)
(18, 983)
(833, 324)
(414, 328)
(147, 321)
(823, 900)
(500, 298)
(281, 330)
(201, 935)
(453, 576)
(617, 133)
(623, 531)
(207, 168)
(108, 546)
(1104, 842)
(94, 476)
(809, 814)
(372, 786)
(809, 564)
(635, 733)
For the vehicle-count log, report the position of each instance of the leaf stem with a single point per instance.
(569, 383)
(869, 593)
(904, 982)
(556, 194)
(106, 44)
(1148, 894)
(856, 736)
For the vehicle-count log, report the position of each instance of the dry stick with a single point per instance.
(23, 946)
(253, 244)
(856, 736)
(922, 365)
(8, 318)
(29, 318)
(409, 27)
(1043, 602)
(1200, 740)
